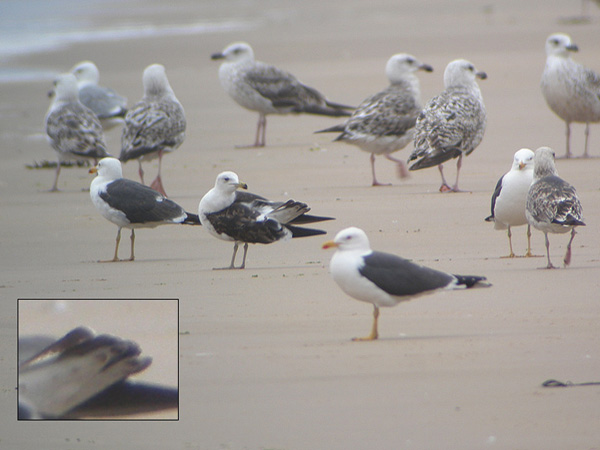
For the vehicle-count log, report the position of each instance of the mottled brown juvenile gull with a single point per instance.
(510, 196)
(452, 123)
(384, 122)
(109, 106)
(571, 90)
(155, 125)
(129, 204)
(84, 374)
(552, 203)
(232, 215)
(268, 90)
(383, 279)
(73, 130)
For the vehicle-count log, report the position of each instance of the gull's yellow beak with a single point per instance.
(242, 185)
(521, 165)
(93, 170)
(329, 244)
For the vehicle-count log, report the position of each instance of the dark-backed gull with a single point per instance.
(73, 130)
(452, 123)
(155, 125)
(383, 279)
(268, 90)
(552, 203)
(384, 122)
(571, 90)
(237, 216)
(510, 196)
(109, 106)
(84, 374)
(129, 204)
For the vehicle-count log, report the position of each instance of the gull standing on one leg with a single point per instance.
(383, 279)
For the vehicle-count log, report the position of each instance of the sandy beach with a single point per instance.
(265, 354)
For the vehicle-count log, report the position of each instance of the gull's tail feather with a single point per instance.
(304, 232)
(472, 281)
(335, 129)
(191, 219)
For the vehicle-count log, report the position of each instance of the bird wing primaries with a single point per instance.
(399, 276)
(141, 204)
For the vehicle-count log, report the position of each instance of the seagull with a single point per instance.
(73, 130)
(109, 106)
(232, 215)
(129, 204)
(268, 90)
(83, 374)
(383, 279)
(510, 195)
(571, 90)
(155, 125)
(552, 203)
(452, 123)
(384, 122)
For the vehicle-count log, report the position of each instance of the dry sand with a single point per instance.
(265, 357)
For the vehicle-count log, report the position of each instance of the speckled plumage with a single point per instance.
(452, 123)
(73, 130)
(237, 216)
(552, 203)
(571, 90)
(154, 125)
(384, 122)
(267, 89)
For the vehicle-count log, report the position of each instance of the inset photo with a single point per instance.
(98, 359)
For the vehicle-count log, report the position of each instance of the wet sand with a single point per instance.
(265, 357)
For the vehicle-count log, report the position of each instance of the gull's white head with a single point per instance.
(108, 169)
(228, 182)
(155, 81)
(65, 88)
(461, 72)
(86, 72)
(402, 64)
(560, 44)
(543, 163)
(349, 239)
(523, 160)
(236, 52)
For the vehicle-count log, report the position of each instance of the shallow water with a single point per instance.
(39, 26)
